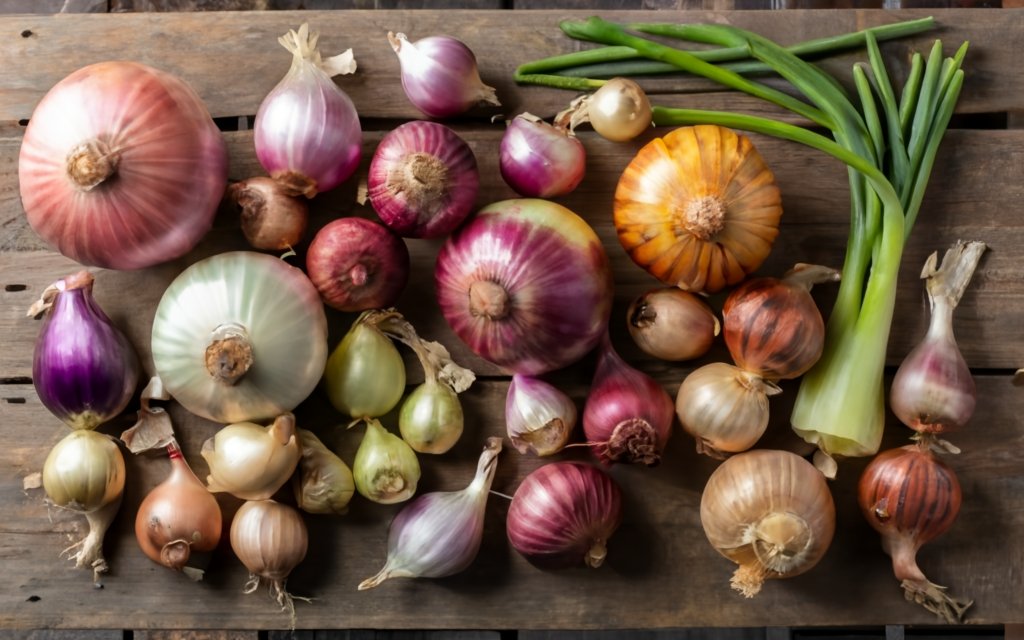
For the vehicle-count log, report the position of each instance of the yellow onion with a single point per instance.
(698, 208)
(252, 462)
(270, 539)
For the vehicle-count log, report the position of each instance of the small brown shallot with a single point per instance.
(672, 324)
(271, 219)
(771, 513)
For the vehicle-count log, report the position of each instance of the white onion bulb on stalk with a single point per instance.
(240, 336)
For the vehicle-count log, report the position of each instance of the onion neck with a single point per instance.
(175, 554)
(704, 217)
(633, 440)
(916, 586)
(422, 179)
(295, 183)
(489, 300)
(780, 541)
(596, 554)
(229, 356)
(92, 163)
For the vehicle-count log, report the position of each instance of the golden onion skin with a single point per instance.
(698, 208)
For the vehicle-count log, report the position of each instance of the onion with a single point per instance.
(563, 514)
(121, 166)
(365, 375)
(619, 111)
(525, 284)
(252, 462)
(385, 469)
(270, 539)
(240, 336)
(177, 517)
(307, 131)
(323, 483)
(771, 513)
(627, 416)
(271, 219)
(439, 533)
(539, 418)
(772, 327)
(83, 368)
(911, 497)
(356, 264)
(539, 160)
(933, 391)
(84, 473)
(423, 180)
(439, 75)
(672, 324)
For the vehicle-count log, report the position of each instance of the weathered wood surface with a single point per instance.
(661, 571)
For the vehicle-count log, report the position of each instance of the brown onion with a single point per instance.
(563, 515)
(911, 497)
(271, 219)
(270, 539)
(672, 324)
(772, 327)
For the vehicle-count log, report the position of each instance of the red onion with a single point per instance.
(84, 369)
(121, 166)
(539, 160)
(563, 514)
(307, 131)
(911, 497)
(627, 416)
(439, 75)
(423, 180)
(526, 284)
(356, 264)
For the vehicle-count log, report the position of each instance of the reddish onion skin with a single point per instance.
(772, 327)
(423, 180)
(121, 166)
(83, 368)
(563, 514)
(357, 264)
(526, 284)
(627, 416)
(539, 160)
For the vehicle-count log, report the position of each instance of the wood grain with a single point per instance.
(233, 74)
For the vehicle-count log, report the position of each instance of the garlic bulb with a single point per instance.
(240, 336)
(252, 462)
(771, 513)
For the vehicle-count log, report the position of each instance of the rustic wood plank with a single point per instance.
(648, 634)
(179, 634)
(67, 634)
(660, 571)
(122, 6)
(968, 198)
(53, 6)
(234, 74)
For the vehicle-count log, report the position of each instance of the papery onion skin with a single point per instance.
(270, 218)
(526, 284)
(619, 111)
(252, 462)
(563, 514)
(698, 209)
(270, 538)
(772, 327)
(307, 132)
(672, 324)
(177, 517)
(440, 76)
(357, 264)
(423, 180)
(279, 310)
(151, 177)
(933, 390)
(83, 367)
(84, 471)
(628, 415)
(539, 160)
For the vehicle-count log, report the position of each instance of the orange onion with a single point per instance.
(698, 208)
(121, 166)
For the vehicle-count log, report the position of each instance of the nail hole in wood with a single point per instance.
(15, 287)
(23, 122)
(33, 599)
(27, 33)
(14, 400)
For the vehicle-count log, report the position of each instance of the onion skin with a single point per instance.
(933, 390)
(672, 324)
(423, 180)
(357, 264)
(83, 368)
(539, 160)
(563, 514)
(440, 75)
(526, 284)
(149, 186)
(271, 219)
(627, 416)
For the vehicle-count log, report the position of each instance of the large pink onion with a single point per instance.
(563, 514)
(526, 284)
(121, 166)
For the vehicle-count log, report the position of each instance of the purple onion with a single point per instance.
(628, 416)
(525, 284)
(307, 131)
(563, 514)
(84, 369)
(440, 76)
(539, 160)
(356, 264)
(423, 180)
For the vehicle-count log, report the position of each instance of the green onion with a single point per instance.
(889, 143)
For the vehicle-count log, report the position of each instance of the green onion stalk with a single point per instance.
(889, 144)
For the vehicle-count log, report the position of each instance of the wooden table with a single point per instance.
(661, 572)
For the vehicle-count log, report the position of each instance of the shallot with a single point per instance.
(539, 417)
(539, 160)
(440, 76)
